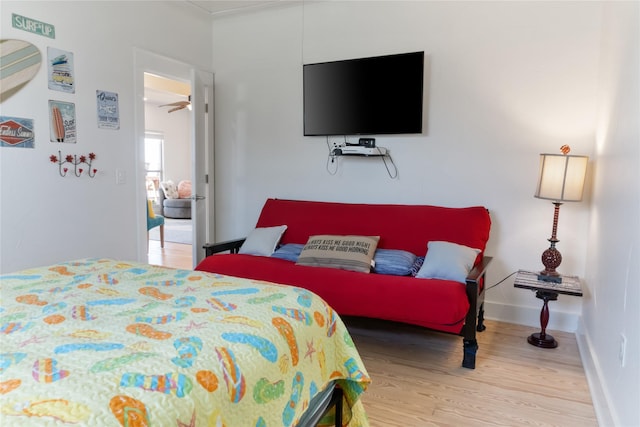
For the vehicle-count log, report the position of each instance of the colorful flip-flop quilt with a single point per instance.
(100, 342)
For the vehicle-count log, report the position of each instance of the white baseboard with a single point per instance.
(528, 316)
(599, 396)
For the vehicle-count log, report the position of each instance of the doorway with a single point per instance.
(195, 149)
(168, 168)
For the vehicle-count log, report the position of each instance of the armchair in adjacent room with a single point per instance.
(154, 220)
(175, 200)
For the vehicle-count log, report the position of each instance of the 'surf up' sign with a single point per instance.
(31, 25)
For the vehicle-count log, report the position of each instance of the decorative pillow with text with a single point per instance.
(354, 253)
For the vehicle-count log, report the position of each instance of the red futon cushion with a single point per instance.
(433, 303)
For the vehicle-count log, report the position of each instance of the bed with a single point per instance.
(109, 343)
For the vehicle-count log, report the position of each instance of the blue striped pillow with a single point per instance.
(395, 262)
(289, 251)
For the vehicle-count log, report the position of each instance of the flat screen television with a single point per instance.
(365, 96)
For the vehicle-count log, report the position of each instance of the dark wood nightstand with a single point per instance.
(546, 291)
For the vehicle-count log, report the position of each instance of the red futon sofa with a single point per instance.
(453, 306)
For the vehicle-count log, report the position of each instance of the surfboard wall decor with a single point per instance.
(19, 63)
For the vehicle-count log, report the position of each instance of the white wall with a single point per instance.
(45, 218)
(505, 82)
(176, 128)
(613, 268)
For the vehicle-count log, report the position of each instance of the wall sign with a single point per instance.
(31, 25)
(108, 113)
(62, 117)
(16, 132)
(60, 69)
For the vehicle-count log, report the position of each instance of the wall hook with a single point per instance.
(76, 161)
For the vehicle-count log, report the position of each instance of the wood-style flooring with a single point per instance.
(176, 255)
(417, 378)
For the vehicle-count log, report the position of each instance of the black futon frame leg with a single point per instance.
(474, 320)
(470, 350)
(480, 327)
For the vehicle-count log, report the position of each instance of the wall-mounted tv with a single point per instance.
(365, 96)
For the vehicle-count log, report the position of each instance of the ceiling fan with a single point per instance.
(178, 105)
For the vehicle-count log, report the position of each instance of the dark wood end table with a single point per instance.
(546, 291)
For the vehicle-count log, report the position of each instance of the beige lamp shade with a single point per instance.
(561, 177)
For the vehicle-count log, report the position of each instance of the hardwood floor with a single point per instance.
(176, 255)
(417, 378)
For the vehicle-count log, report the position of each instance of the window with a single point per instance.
(153, 163)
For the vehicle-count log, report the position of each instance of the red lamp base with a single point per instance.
(551, 259)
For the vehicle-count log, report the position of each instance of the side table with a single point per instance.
(546, 291)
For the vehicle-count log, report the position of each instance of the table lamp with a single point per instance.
(561, 179)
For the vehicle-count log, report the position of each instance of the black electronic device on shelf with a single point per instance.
(360, 149)
(367, 142)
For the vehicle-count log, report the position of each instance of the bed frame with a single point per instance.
(321, 405)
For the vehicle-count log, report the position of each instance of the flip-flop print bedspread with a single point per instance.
(100, 342)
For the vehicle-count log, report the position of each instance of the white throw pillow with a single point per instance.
(448, 261)
(262, 241)
(170, 189)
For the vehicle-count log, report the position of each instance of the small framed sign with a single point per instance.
(16, 132)
(62, 116)
(107, 108)
(60, 70)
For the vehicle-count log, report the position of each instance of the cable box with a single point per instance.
(363, 151)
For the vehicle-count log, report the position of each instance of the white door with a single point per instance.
(202, 205)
